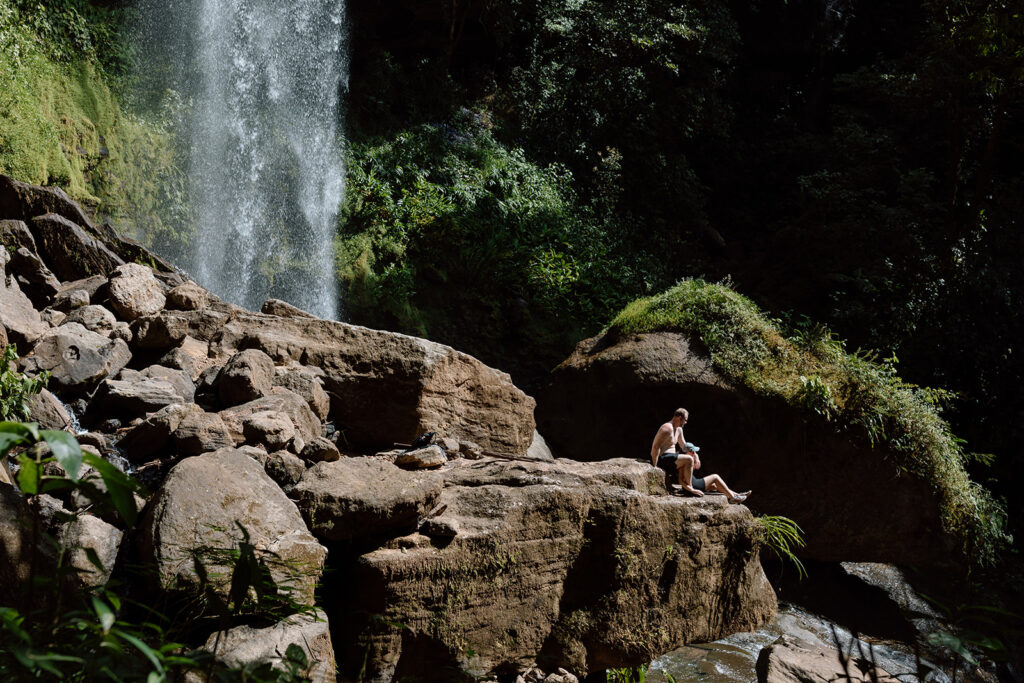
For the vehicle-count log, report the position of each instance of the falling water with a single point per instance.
(260, 83)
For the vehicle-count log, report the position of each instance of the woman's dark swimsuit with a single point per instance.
(667, 462)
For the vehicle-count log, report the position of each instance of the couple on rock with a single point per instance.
(671, 452)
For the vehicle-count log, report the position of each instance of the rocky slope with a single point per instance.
(275, 431)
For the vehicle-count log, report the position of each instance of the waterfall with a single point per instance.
(260, 83)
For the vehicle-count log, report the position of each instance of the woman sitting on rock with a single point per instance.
(672, 453)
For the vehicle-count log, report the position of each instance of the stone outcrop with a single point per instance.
(88, 535)
(363, 497)
(199, 513)
(609, 398)
(385, 387)
(134, 292)
(247, 376)
(584, 566)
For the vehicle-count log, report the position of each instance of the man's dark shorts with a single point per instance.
(667, 462)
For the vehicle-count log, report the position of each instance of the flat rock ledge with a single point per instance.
(584, 566)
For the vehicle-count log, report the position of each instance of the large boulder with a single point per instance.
(385, 387)
(363, 497)
(77, 358)
(246, 376)
(198, 515)
(134, 292)
(609, 398)
(22, 201)
(563, 564)
(39, 283)
(71, 252)
(279, 400)
(92, 549)
(246, 646)
(18, 317)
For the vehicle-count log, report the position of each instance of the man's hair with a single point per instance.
(682, 412)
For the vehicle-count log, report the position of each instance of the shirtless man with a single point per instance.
(672, 453)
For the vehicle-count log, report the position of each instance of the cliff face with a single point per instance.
(577, 565)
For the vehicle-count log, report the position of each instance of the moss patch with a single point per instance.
(811, 370)
(61, 124)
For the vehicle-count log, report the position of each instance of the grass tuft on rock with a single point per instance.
(810, 369)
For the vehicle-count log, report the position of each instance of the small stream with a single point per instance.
(733, 658)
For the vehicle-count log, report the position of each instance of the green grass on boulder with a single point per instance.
(811, 370)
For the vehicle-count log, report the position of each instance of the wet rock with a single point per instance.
(320, 449)
(283, 309)
(94, 318)
(360, 497)
(245, 646)
(422, 458)
(76, 357)
(285, 468)
(268, 428)
(46, 410)
(91, 534)
(134, 292)
(305, 382)
(201, 432)
(792, 660)
(201, 506)
(187, 297)
(279, 400)
(248, 375)
(71, 252)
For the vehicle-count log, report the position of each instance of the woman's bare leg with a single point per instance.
(713, 482)
(684, 466)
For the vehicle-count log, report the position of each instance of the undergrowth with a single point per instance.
(810, 369)
(62, 123)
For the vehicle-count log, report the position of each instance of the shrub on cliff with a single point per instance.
(810, 369)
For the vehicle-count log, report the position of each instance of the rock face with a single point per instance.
(196, 515)
(623, 390)
(584, 566)
(70, 251)
(87, 533)
(363, 497)
(386, 387)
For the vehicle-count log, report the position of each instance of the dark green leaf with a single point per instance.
(28, 475)
(120, 486)
(66, 450)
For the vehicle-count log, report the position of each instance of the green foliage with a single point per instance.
(858, 394)
(783, 536)
(443, 213)
(99, 635)
(61, 123)
(976, 631)
(637, 674)
(17, 390)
